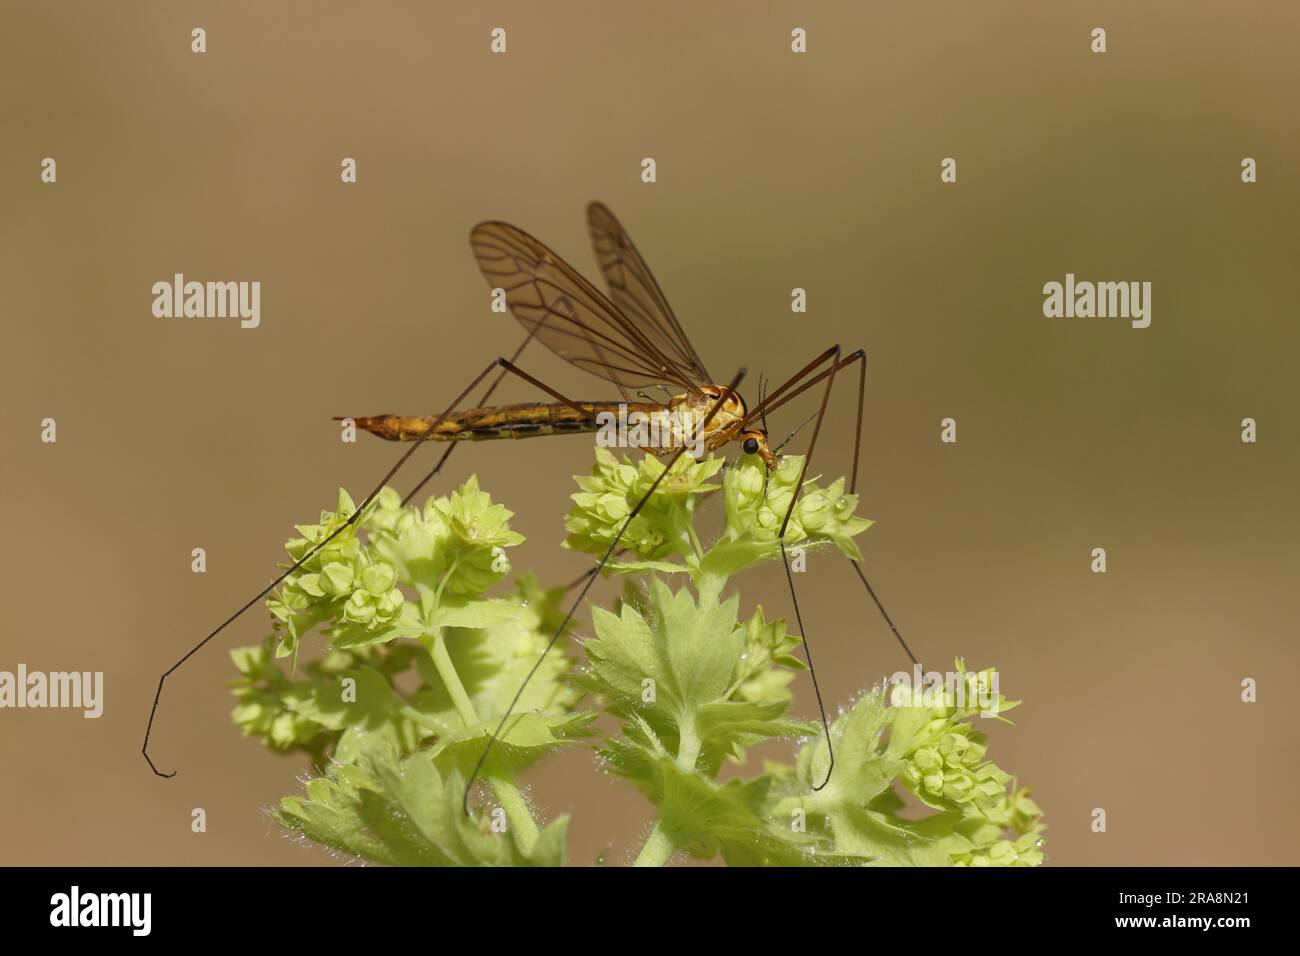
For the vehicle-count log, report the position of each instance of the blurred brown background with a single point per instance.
(775, 171)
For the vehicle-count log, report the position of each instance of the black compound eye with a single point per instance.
(750, 446)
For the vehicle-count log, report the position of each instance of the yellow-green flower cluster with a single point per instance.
(453, 546)
(952, 769)
(341, 579)
(945, 765)
(400, 595)
(1025, 850)
(757, 500)
(262, 710)
(768, 663)
(661, 529)
(1013, 811)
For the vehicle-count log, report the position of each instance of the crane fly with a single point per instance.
(631, 339)
(599, 335)
(677, 420)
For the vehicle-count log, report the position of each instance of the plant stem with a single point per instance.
(659, 846)
(709, 587)
(522, 825)
(451, 680)
(523, 828)
(695, 540)
(688, 746)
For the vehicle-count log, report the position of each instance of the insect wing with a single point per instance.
(568, 314)
(633, 289)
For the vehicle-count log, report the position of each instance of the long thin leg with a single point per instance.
(860, 357)
(774, 400)
(503, 363)
(613, 545)
(778, 398)
(834, 355)
(483, 400)
(589, 573)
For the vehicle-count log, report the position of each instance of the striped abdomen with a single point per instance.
(502, 421)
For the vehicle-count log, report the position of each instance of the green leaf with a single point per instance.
(525, 739)
(480, 613)
(935, 753)
(404, 813)
(689, 652)
(492, 661)
(726, 727)
(690, 685)
(376, 710)
(737, 820)
(863, 769)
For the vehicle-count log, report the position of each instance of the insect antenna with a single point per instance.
(786, 440)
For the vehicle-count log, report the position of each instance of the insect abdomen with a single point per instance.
(488, 424)
(517, 430)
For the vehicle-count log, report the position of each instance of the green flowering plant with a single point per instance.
(426, 644)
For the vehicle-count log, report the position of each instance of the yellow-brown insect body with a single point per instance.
(727, 423)
(501, 421)
(659, 429)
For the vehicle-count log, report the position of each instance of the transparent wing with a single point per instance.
(568, 314)
(633, 288)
